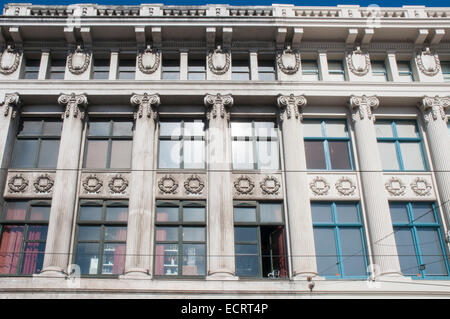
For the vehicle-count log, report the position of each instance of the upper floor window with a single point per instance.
(180, 239)
(339, 239)
(266, 68)
(400, 145)
(260, 240)
(109, 144)
(255, 145)
(127, 67)
(100, 237)
(23, 236)
(101, 68)
(170, 67)
(31, 71)
(336, 70)
(327, 145)
(181, 144)
(197, 68)
(310, 70)
(240, 68)
(379, 73)
(445, 65)
(57, 68)
(419, 240)
(405, 71)
(37, 143)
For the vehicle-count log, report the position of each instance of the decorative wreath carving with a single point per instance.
(345, 186)
(118, 184)
(148, 60)
(421, 187)
(270, 185)
(168, 185)
(78, 61)
(194, 185)
(244, 185)
(43, 183)
(395, 186)
(358, 62)
(17, 184)
(219, 61)
(9, 60)
(428, 62)
(92, 184)
(319, 186)
(288, 60)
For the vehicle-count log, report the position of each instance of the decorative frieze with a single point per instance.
(9, 60)
(74, 105)
(17, 184)
(289, 60)
(345, 186)
(358, 62)
(428, 62)
(181, 185)
(244, 185)
(257, 186)
(408, 187)
(270, 185)
(219, 61)
(395, 186)
(194, 184)
(149, 60)
(168, 185)
(333, 186)
(218, 106)
(433, 108)
(43, 183)
(118, 184)
(319, 186)
(291, 106)
(92, 184)
(361, 107)
(78, 61)
(27, 184)
(421, 186)
(104, 185)
(146, 104)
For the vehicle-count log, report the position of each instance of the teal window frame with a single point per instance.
(267, 68)
(314, 72)
(406, 73)
(413, 225)
(336, 226)
(398, 140)
(377, 73)
(338, 72)
(326, 139)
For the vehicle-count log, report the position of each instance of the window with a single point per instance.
(127, 68)
(327, 145)
(339, 240)
(255, 145)
(101, 68)
(240, 68)
(400, 145)
(57, 68)
(266, 68)
(180, 239)
(101, 236)
(310, 70)
(109, 144)
(31, 69)
(379, 73)
(181, 144)
(23, 234)
(404, 71)
(419, 240)
(445, 65)
(197, 69)
(259, 237)
(171, 68)
(37, 143)
(336, 70)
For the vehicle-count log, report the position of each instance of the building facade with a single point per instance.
(224, 152)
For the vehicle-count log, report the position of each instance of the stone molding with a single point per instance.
(361, 107)
(147, 105)
(358, 62)
(149, 60)
(433, 108)
(291, 106)
(289, 61)
(74, 105)
(12, 102)
(218, 106)
(428, 62)
(219, 61)
(78, 61)
(9, 60)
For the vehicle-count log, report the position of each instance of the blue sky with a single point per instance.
(363, 3)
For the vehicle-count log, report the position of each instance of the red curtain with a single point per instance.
(159, 250)
(33, 251)
(10, 245)
(281, 252)
(119, 249)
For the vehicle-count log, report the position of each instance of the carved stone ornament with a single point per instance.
(92, 184)
(345, 186)
(291, 105)
(395, 186)
(421, 187)
(168, 185)
(288, 61)
(146, 104)
(217, 105)
(361, 107)
(358, 62)
(73, 104)
(428, 62)
(433, 108)
(78, 61)
(17, 184)
(148, 60)
(270, 185)
(219, 61)
(9, 60)
(118, 184)
(43, 183)
(12, 101)
(194, 185)
(319, 186)
(244, 185)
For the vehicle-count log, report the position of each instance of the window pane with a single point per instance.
(388, 154)
(347, 213)
(87, 256)
(48, 154)
(30, 127)
(25, 152)
(37, 232)
(52, 128)
(170, 129)
(113, 259)
(121, 154)
(241, 129)
(247, 260)
(123, 128)
(167, 214)
(325, 243)
(89, 233)
(309, 66)
(194, 260)
(412, 156)
(195, 128)
(96, 154)
(335, 66)
(99, 128)
(268, 157)
(423, 213)
(352, 251)
(312, 129)
(166, 259)
(40, 213)
(399, 213)
(406, 129)
(116, 233)
(384, 129)
(194, 214)
(240, 76)
(242, 155)
(321, 213)
(245, 234)
(196, 76)
(339, 155)
(431, 252)
(336, 129)
(16, 210)
(193, 233)
(245, 214)
(266, 76)
(271, 213)
(90, 213)
(169, 154)
(10, 247)
(194, 154)
(315, 156)
(33, 258)
(119, 214)
(265, 129)
(406, 251)
(166, 233)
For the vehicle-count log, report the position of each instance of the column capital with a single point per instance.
(291, 105)
(218, 105)
(361, 107)
(74, 104)
(433, 108)
(147, 104)
(12, 101)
